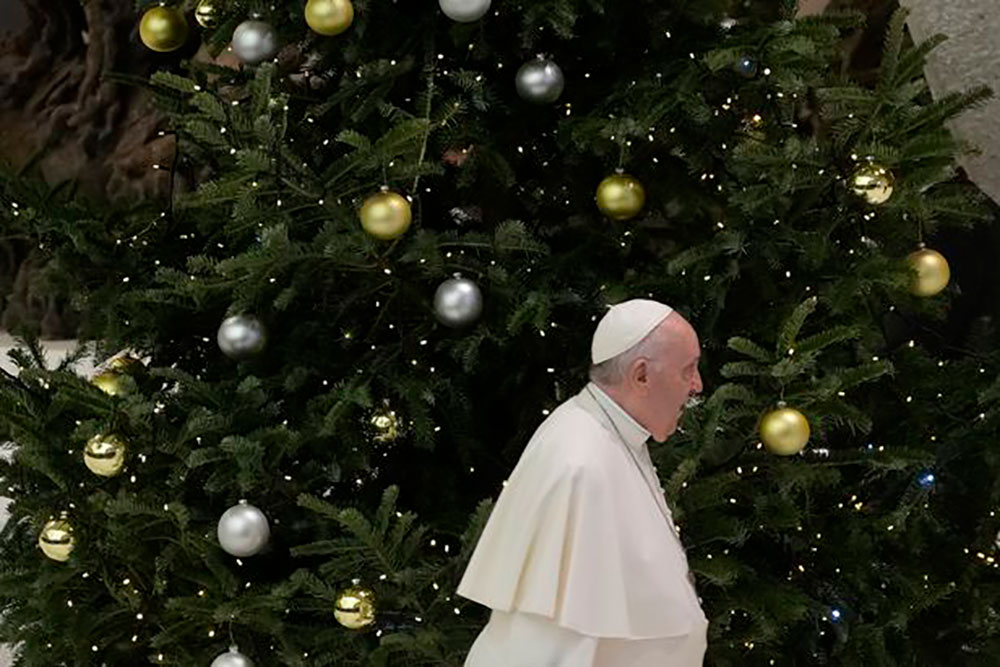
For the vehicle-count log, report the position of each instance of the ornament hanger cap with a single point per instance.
(782, 404)
(243, 501)
(385, 188)
(620, 171)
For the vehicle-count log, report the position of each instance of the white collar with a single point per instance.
(634, 434)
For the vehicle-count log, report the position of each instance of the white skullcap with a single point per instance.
(624, 326)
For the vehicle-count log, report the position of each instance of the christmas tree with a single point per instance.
(326, 350)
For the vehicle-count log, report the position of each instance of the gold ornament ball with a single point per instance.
(163, 29)
(105, 455)
(874, 183)
(329, 17)
(110, 382)
(386, 424)
(785, 431)
(932, 272)
(56, 540)
(620, 197)
(110, 379)
(206, 13)
(386, 215)
(125, 364)
(355, 608)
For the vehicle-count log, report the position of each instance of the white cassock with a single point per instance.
(580, 560)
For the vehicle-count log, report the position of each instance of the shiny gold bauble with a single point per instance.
(105, 455)
(206, 13)
(386, 215)
(110, 382)
(355, 608)
(932, 272)
(329, 17)
(873, 182)
(163, 29)
(785, 431)
(620, 197)
(56, 540)
(125, 364)
(385, 424)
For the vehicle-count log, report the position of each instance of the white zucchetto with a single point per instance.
(624, 325)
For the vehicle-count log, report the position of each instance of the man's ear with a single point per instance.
(639, 373)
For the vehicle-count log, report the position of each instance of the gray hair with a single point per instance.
(612, 372)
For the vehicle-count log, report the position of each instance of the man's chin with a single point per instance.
(663, 437)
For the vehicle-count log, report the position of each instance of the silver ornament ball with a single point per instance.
(254, 41)
(241, 337)
(458, 302)
(465, 11)
(243, 530)
(540, 81)
(232, 658)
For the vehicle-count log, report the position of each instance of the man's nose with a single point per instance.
(696, 387)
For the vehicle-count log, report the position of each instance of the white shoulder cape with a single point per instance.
(577, 536)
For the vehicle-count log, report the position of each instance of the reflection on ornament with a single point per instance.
(56, 540)
(163, 29)
(464, 11)
(243, 530)
(458, 302)
(746, 66)
(206, 13)
(873, 182)
(110, 382)
(785, 431)
(931, 272)
(540, 81)
(111, 379)
(241, 337)
(232, 658)
(329, 17)
(254, 42)
(386, 215)
(620, 197)
(385, 424)
(104, 455)
(125, 364)
(355, 608)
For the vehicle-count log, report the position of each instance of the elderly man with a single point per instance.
(580, 560)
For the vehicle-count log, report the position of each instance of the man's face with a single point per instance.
(673, 379)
